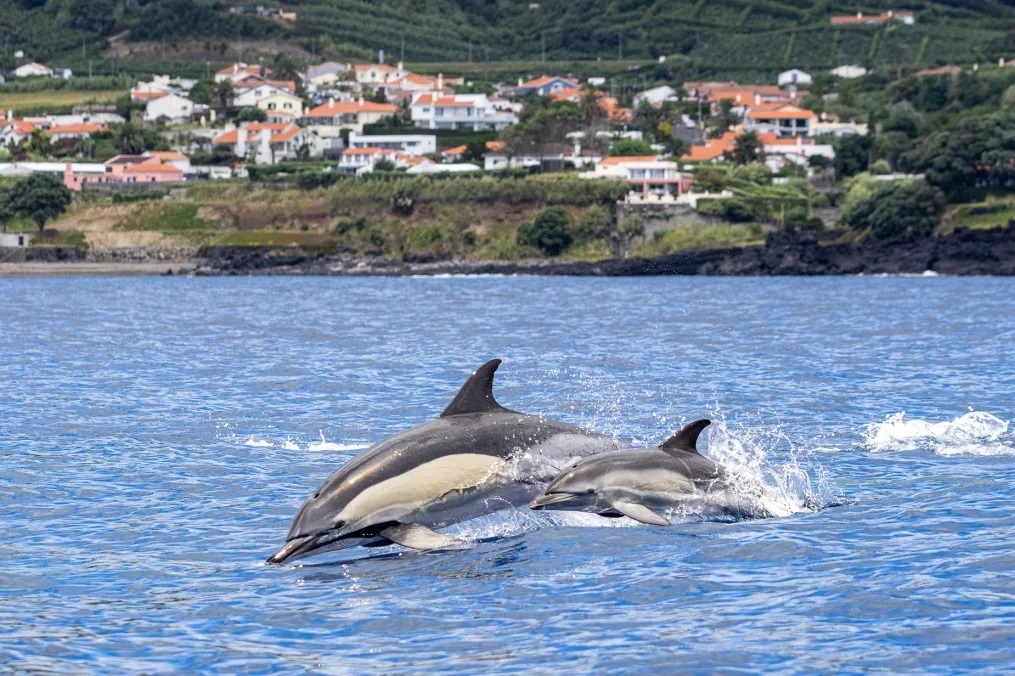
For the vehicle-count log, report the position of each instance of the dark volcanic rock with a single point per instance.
(964, 252)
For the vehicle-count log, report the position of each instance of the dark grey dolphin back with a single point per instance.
(476, 395)
(686, 440)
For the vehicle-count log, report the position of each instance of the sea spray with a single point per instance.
(974, 433)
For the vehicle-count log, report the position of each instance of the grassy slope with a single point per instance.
(58, 99)
(747, 37)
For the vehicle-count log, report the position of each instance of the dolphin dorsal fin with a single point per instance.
(686, 439)
(476, 394)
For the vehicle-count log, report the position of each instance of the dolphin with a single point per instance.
(477, 457)
(637, 482)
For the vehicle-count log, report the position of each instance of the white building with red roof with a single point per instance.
(239, 71)
(436, 110)
(547, 85)
(264, 142)
(374, 74)
(647, 174)
(348, 114)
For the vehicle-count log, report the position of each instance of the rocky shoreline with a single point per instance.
(963, 252)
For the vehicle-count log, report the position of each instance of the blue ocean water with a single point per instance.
(157, 435)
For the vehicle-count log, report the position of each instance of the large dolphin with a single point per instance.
(637, 482)
(474, 459)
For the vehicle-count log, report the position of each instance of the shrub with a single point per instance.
(595, 223)
(727, 209)
(549, 232)
(896, 208)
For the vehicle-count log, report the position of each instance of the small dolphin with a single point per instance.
(476, 458)
(635, 482)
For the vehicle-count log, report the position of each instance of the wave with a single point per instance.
(975, 433)
(257, 443)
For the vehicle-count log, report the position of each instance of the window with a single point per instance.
(657, 173)
(637, 173)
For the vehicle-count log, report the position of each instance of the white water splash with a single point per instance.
(762, 486)
(326, 445)
(257, 443)
(975, 433)
(289, 445)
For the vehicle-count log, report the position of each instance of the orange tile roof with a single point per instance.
(168, 155)
(147, 95)
(333, 108)
(83, 128)
(632, 158)
(782, 112)
(495, 146)
(546, 79)
(283, 136)
(458, 150)
(22, 127)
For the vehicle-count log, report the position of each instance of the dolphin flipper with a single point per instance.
(418, 536)
(639, 513)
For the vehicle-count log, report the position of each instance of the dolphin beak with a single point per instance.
(550, 499)
(292, 548)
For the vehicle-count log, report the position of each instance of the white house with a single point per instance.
(436, 110)
(783, 119)
(849, 72)
(282, 101)
(239, 71)
(655, 96)
(410, 144)
(33, 70)
(173, 108)
(431, 168)
(379, 73)
(646, 174)
(348, 114)
(794, 77)
(362, 160)
(326, 74)
(265, 142)
(779, 151)
(247, 93)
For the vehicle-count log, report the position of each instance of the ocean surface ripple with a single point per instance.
(157, 436)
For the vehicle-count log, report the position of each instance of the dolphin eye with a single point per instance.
(317, 495)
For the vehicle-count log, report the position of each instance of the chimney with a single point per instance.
(380, 56)
(361, 100)
(440, 81)
(331, 102)
(757, 99)
(519, 82)
(401, 66)
(241, 141)
(236, 68)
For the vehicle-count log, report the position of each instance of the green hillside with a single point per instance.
(712, 38)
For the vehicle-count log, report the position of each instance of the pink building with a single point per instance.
(121, 169)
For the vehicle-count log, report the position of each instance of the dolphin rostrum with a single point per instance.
(476, 458)
(637, 482)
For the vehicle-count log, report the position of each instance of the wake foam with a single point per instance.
(762, 483)
(325, 445)
(975, 433)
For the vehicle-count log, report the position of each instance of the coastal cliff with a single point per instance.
(963, 252)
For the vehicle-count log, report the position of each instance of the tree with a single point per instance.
(722, 118)
(474, 151)
(629, 147)
(596, 223)
(384, 165)
(894, 208)
(7, 210)
(549, 232)
(747, 149)
(852, 155)
(129, 140)
(40, 197)
(93, 16)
